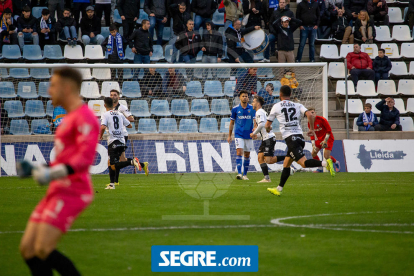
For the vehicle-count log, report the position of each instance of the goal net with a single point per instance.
(181, 111)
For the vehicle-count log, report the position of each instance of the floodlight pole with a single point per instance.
(346, 100)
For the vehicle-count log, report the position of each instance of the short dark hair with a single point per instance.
(109, 103)
(311, 108)
(114, 90)
(183, 4)
(144, 21)
(382, 50)
(368, 105)
(259, 99)
(70, 74)
(113, 27)
(243, 92)
(285, 90)
(271, 86)
(45, 12)
(27, 9)
(356, 43)
(67, 9)
(189, 21)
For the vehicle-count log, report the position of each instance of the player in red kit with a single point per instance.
(324, 139)
(70, 188)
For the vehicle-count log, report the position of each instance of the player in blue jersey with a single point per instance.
(242, 116)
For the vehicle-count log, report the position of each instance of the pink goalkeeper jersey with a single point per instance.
(75, 145)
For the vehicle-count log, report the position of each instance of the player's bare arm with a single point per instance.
(102, 131)
(311, 121)
(231, 126)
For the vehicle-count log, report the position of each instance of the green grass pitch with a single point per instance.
(367, 226)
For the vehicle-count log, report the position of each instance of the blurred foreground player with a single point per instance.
(70, 190)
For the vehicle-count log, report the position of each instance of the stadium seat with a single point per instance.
(128, 74)
(355, 126)
(355, 106)
(411, 72)
(406, 87)
(160, 108)
(40, 126)
(3, 73)
(220, 107)
(370, 49)
(131, 89)
(147, 126)
(194, 89)
(86, 73)
(265, 73)
(386, 87)
(97, 106)
(345, 49)
(19, 73)
(158, 53)
(336, 70)
(275, 126)
(7, 90)
(180, 107)
(401, 33)
(19, 127)
(124, 102)
(169, 52)
(101, 73)
(14, 109)
(199, 56)
(117, 17)
(407, 123)
(382, 33)
(166, 34)
(218, 18)
(208, 125)
(276, 86)
(90, 90)
(94, 52)
(73, 53)
(49, 108)
(398, 69)
(223, 73)
(35, 109)
(258, 57)
(224, 125)
(410, 105)
(407, 50)
(129, 55)
(32, 53)
(27, 90)
(132, 130)
(52, 52)
(37, 11)
(399, 104)
(366, 88)
(199, 107)
(329, 51)
(198, 73)
(188, 126)
(259, 85)
(395, 15)
(391, 50)
(373, 102)
(107, 86)
(139, 108)
(213, 89)
(229, 87)
(11, 52)
(105, 31)
(43, 89)
(142, 15)
(40, 73)
(167, 125)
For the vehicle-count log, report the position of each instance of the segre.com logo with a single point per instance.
(205, 258)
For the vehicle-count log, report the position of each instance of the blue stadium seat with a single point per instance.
(142, 15)
(129, 55)
(139, 108)
(166, 34)
(194, 89)
(276, 86)
(105, 32)
(160, 108)
(167, 125)
(199, 56)
(131, 89)
(213, 89)
(128, 74)
(27, 90)
(37, 12)
(19, 73)
(200, 107)
(158, 53)
(147, 126)
(240, 72)
(188, 126)
(275, 126)
(14, 109)
(43, 89)
(218, 18)
(132, 130)
(169, 52)
(117, 17)
(19, 127)
(40, 126)
(3, 73)
(40, 73)
(229, 87)
(258, 57)
(49, 108)
(53, 52)
(265, 73)
(180, 107)
(7, 90)
(224, 125)
(11, 52)
(162, 71)
(220, 107)
(35, 109)
(198, 73)
(208, 125)
(223, 73)
(32, 53)
(259, 86)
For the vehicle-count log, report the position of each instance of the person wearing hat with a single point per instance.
(27, 25)
(284, 29)
(212, 47)
(47, 33)
(91, 28)
(8, 30)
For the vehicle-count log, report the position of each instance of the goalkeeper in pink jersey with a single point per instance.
(70, 187)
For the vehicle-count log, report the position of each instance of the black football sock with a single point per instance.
(123, 164)
(284, 177)
(312, 163)
(38, 267)
(117, 176)
(111, 175)
(62, 264)
(142, 164)
(265, 170)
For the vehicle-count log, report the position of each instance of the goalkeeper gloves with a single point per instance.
(42, 174)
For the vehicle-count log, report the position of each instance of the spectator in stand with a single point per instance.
(56, 5)
(267, 94)
(360, 65)
(173, 84)
(115, 45)
(129, 12)
(410, 14)
(103, 7)
(91, 28)
(269, 7)
(233, 9)
(46, 25)
(79, 6)
(367, 120)
(66, 27)
(364, 28)
(290, 80)
(255, 10)
(324, 28)
(178, 2)
(284, 29)
(4, 119)
(18, 6)
(212, 47)
(8, 29)
(382, 66)
(341, 30)
(248, 82)
(278, 13)
(4, 4)
(141, 44)
(353, 8)
(27, 25)
(151, 83)
(203, 10)
(390, 116)
(189, 44)
(158, 13)
(308, 12)
(180, 17)
(378, 11)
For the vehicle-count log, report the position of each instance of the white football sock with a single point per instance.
(279, 188)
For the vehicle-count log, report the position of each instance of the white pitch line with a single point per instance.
(366, 224)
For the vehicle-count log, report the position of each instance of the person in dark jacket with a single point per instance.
(141, 44)
(378, 11)
(173, 84)
(284, 28)
(66, 27)
(8, 29)
(324, 28)
(360, 65)
(47, 33)
(367, 120)
(203, 10)
(18, 6)
(212, 47)
(390, 116)
(180, 17)
(114, 46)
(410, 14)
(129, 12)
(158, 12)
(248, 82)
(341, 30)
(79, 6)
(364, 28)
(178, 2)
(352, 9)
(27, 25)
(309, 13)
(56, 5)
(382, 66)
(270, 6)
(255, 9)
(188, 43)
(151, 84)
(91, 28)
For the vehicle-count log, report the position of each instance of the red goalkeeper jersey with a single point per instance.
(322, 128)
